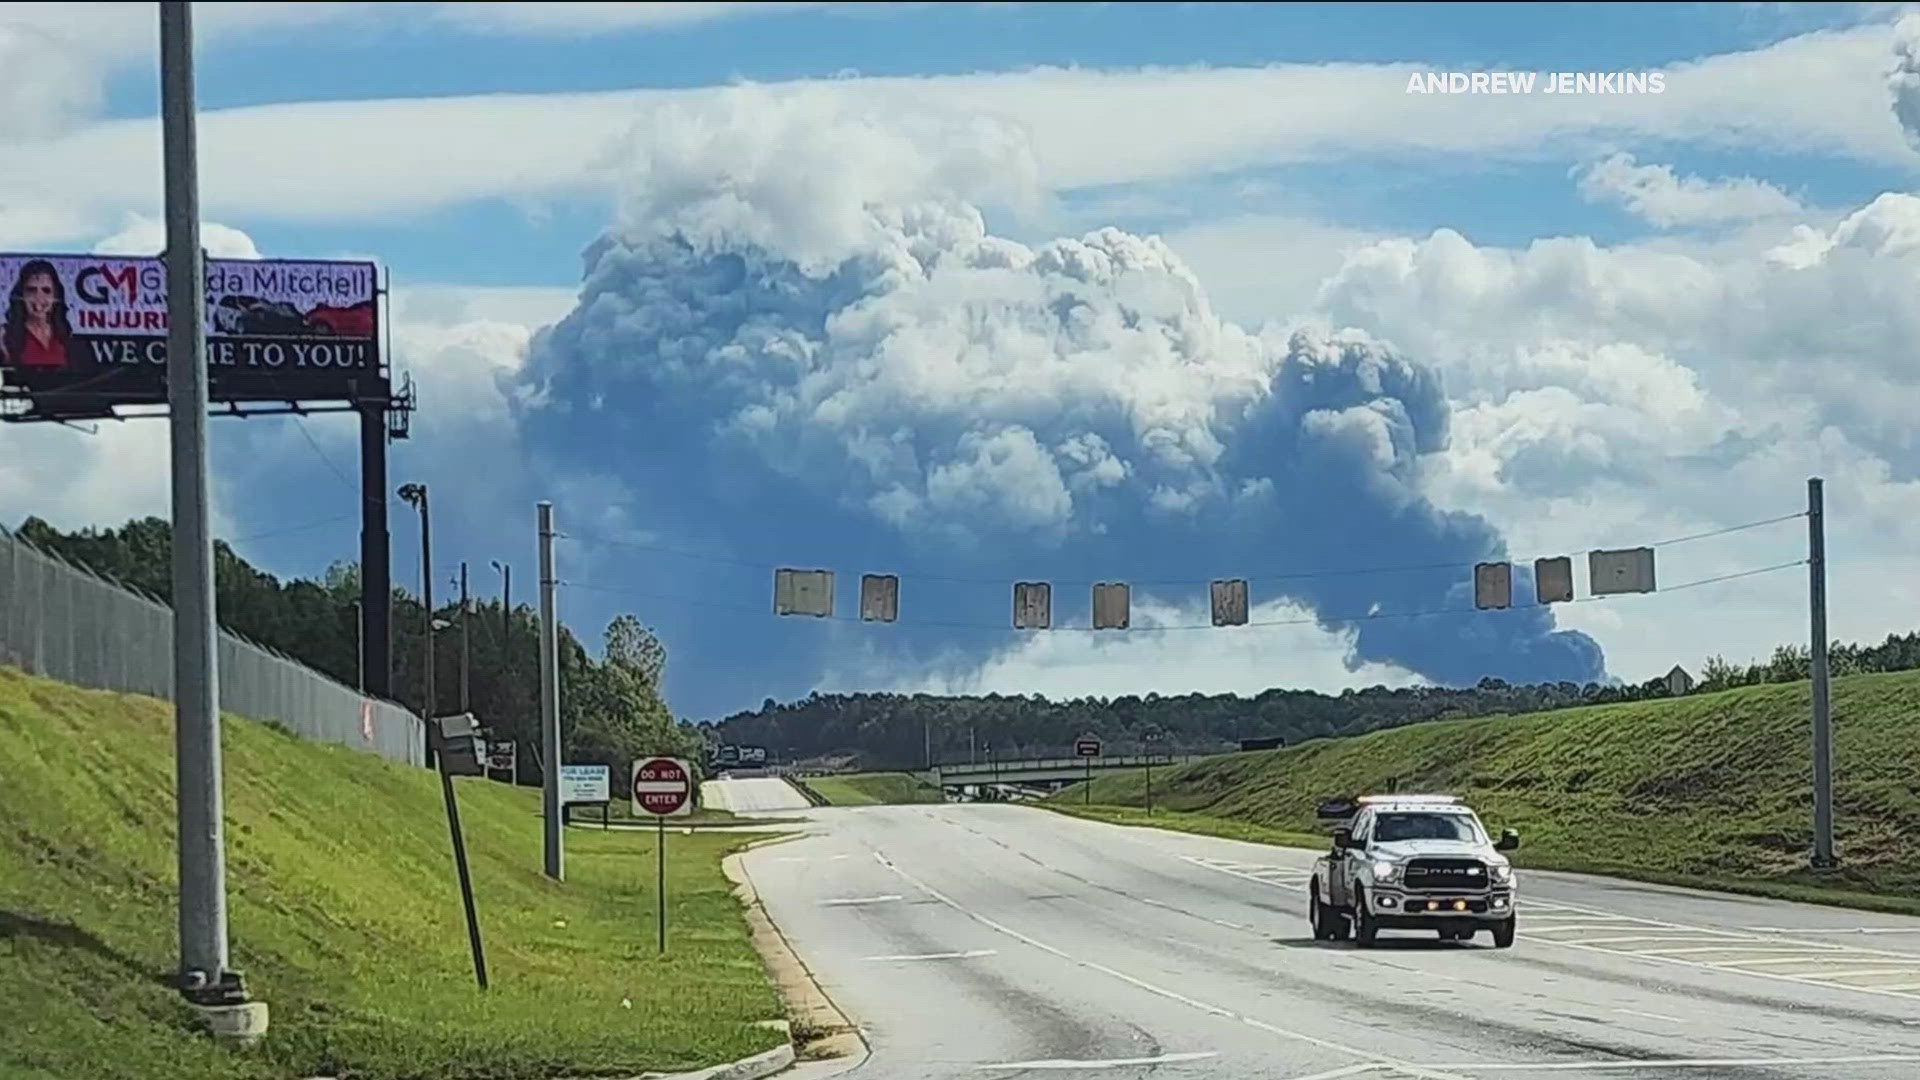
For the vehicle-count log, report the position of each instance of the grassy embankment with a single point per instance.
(345, 917)
(873, 789)
(1711, 790)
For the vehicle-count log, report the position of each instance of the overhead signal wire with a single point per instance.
(1370, 616)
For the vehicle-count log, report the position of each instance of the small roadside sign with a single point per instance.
(1086, 746)
(662, 787)
(585, 784)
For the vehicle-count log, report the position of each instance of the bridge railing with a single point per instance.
(1119, 761)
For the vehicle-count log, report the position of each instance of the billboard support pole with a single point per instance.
(550, 700)
(1823, 857)
(376, 569)
(206, 981)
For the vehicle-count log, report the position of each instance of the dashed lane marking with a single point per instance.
(970, 954)
(1744, 952)
(854, 900)
(1109, 1063)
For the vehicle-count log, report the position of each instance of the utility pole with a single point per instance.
(465, 643)
(416, 496)
(1823, 856)
(549, 699)
(205, 979)
(506, 661)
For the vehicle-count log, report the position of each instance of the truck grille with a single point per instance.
(1446, 874)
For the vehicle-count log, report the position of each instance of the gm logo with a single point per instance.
(107, 285)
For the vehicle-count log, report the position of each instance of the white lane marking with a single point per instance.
(1616, 925)
(1850, 973)
(1734, 935)
(1300, 887)
(1812, 958)
(1651, 1016)
(1421, 1071)
(1351, 1070)
(1732, 948)
(852, 900)
(1799, 980)
(1903, 987)
(1109, 1063)
(836, 858)
(1832, 930)
(793, 858)
(968, 955)
(1680, 1063)
(1679, 937)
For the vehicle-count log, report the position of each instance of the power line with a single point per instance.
(1290, 575)
(1311, 620)
(293, 528)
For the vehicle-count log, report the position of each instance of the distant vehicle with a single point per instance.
(1413, 862)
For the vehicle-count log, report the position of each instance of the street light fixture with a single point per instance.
(415, 495)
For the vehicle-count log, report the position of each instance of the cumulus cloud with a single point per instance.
(1616, 396)
(1655, 194)
(143, 235)
(1822, 93)
(900, 386)
(1904, 80)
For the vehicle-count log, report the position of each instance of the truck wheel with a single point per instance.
(1365, 930)
(1503, 934)
(1328, 924)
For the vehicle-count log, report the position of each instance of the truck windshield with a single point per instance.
(1425, 826)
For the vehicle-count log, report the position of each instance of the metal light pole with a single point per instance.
(555, 861)
(466, 642)
(1823, 856)
(415, 496)
(506, 661)
(204, 977)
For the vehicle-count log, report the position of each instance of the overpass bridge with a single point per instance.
(1045, 772)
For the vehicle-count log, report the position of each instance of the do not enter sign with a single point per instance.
(662, 787)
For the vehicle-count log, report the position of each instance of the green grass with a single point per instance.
(345, 916)
(1711, 790)
(873, 789)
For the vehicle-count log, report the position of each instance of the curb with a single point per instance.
(753, 1068)
(840, 1043)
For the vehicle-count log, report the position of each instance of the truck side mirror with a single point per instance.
(1508, 840)
(1342, 839)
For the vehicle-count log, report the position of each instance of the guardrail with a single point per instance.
(1014, 769)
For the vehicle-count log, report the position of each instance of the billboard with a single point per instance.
(91, 330)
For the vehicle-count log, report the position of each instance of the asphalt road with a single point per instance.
(994, 941)
(752, 795)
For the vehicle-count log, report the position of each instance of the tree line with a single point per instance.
(895, 731)
(611, 712)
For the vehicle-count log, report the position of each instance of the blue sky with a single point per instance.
(1617, 303)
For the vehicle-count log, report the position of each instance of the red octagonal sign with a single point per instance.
(661, 786)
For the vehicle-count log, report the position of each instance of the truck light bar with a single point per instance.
(1366, 800)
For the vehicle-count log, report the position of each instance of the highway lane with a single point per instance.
(752, 795)
(995, 941)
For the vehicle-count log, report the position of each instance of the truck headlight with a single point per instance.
(1502, 875)
(1385, 871)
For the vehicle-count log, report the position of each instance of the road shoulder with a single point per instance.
(821, 1031)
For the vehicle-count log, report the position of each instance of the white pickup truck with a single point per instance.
(1413, 862)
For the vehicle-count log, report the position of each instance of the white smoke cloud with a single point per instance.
(805, 311)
